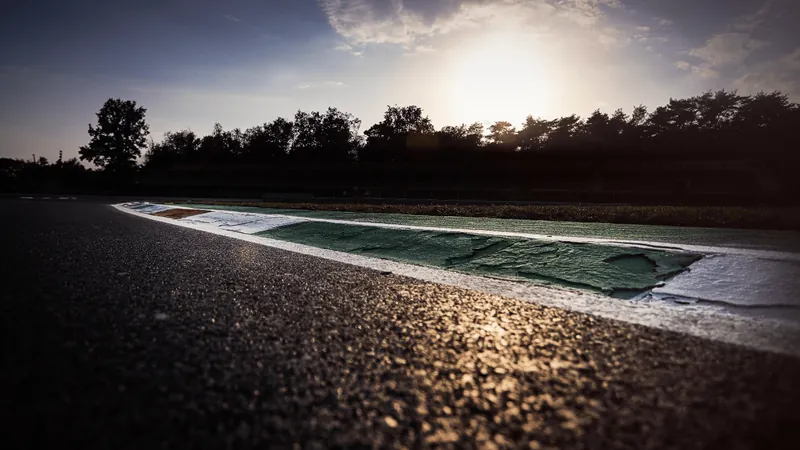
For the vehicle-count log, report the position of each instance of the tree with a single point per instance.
(638, 116)
(328, 137)
(221, 146)
(269, 142)
(176, 147)
(763, 109)
(399, 122)
(534, 133)
(119, 137)
(503, 134)
(716, 110)
(564, 131)
(461, 137)
(401, 129)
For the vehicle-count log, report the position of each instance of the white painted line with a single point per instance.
(706, 322)
(63, 198)
(26, 198)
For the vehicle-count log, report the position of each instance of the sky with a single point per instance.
(245, 62)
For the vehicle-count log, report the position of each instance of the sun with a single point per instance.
(500, 76)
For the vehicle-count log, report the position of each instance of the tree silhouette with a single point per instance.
(503, 135)
(119, 137)
(270, 142)
(332, 136)
(402, 129)
(534, 133)
(221, 146)
(764, 109)
(716, 142)
(461, 137)
(716, 110)
(564, 130)
(176, 147)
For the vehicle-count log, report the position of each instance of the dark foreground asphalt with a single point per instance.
(119, 332)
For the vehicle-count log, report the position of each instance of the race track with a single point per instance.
(121, 332)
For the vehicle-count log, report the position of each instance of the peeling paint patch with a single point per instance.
(606, 269)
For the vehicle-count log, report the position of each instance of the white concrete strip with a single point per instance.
(711, 323)
(152, 209)
(242, 222)
(738, 280)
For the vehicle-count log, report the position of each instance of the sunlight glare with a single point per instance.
(501, 76)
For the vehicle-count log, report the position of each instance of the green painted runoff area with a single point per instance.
(612, 270)
(784, 241)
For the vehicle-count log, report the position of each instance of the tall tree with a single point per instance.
(176, 147)
(564, 131)
(119, 137)
(503, 134)
(763, 109)
(534, 133)
(716, 110)
(461, 137)
(269, 142)
(332, 136)
(399, 122)
(401, 129)
(221, 146)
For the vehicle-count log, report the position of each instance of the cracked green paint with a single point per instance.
(612, 270)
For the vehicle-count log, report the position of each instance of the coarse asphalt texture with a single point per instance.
(120, 332)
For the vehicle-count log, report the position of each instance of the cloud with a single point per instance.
(411, 22)
(705, 71)
(232, 18)
(348, 49)
(419, 50)
(752, 21)
(740, 57)
(379, 22)
(324, 84)
(701, 70)
(728, 49)
(782, 74)
(586, 12)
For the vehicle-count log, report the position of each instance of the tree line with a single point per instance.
(713, 119)
(720, 121)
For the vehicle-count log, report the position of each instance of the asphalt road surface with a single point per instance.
(120, 332)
